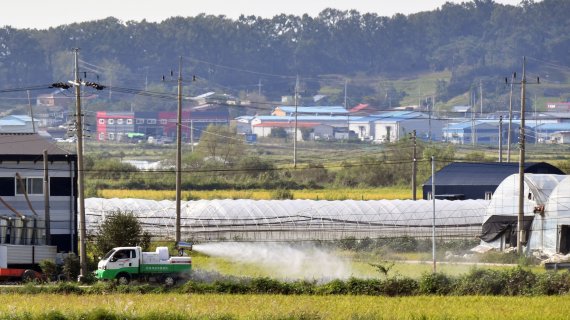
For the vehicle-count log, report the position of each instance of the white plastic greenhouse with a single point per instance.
(297, 219)
(546, 213)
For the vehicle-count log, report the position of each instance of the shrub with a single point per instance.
(481, 282)
(364, 286)
(49, 270)
(399, 286)
(267, 285)
(334, 287)
(303, 287)
(519, 281)
(435, 283)
(550, 283)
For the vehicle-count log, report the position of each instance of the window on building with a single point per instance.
(101, 136)
(129, 121)
(111, 121)
(101, 121)
(151, 121)
(163, 121)
(119, 121)
(140, 121)
(111, 136)
(7, 186)
(30, 185)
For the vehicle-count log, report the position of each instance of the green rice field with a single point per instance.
(215, 306)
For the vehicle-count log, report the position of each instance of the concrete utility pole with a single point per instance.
(520, 218)
(481, 97)
(433, 212)
(414, 166)
(510, 120)
(46, 199)
(295, 133)
(80, 171)
(179, 153)
(501, 139)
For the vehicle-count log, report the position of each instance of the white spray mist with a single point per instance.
(281, 260)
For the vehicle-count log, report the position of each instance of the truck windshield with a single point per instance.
(110, 253)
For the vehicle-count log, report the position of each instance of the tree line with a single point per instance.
(473, 39)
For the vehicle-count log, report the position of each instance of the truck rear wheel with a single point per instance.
(169, 281)
(123, 279)
(28, 275)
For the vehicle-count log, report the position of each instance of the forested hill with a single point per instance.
(478, 38)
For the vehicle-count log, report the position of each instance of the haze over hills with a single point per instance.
(447, 53)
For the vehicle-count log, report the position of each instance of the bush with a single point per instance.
(49, 269)
(357, 286)
(267, 285)
(334, 287)
(435, 283)
(550, 283)
(399, 287)
(519, 281)
(481, 282)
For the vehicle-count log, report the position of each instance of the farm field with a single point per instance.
(215, 306)
(355, 268)
(389, 193)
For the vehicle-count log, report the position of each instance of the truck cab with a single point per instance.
(119, 263)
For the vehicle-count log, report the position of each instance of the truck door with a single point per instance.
(124, 258)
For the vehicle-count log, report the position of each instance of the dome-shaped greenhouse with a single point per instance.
(297, 219)
(500, 222)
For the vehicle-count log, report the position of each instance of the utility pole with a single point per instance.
(433, 212)
(414, 166)
(178, 153)
(520, 218)
(46, 199)
(501, 139)
(481, 97)
(345, 88)
(80, 172)
(510, 119)
(259, 88)
(295, 133)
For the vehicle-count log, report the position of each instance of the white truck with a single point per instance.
(21, 262)
(129, 263)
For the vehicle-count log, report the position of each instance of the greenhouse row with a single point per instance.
(269, 220)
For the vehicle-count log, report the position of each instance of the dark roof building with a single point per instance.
(478, 180)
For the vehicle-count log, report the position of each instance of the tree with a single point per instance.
(120, 229)
(221, 144)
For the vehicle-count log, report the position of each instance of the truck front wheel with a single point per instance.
(123, 278)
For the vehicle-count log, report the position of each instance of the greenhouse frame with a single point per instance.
(286, 220)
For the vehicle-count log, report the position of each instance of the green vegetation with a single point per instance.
(119, 229)
(254, 306)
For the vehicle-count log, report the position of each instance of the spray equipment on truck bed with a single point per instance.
(182, 245)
